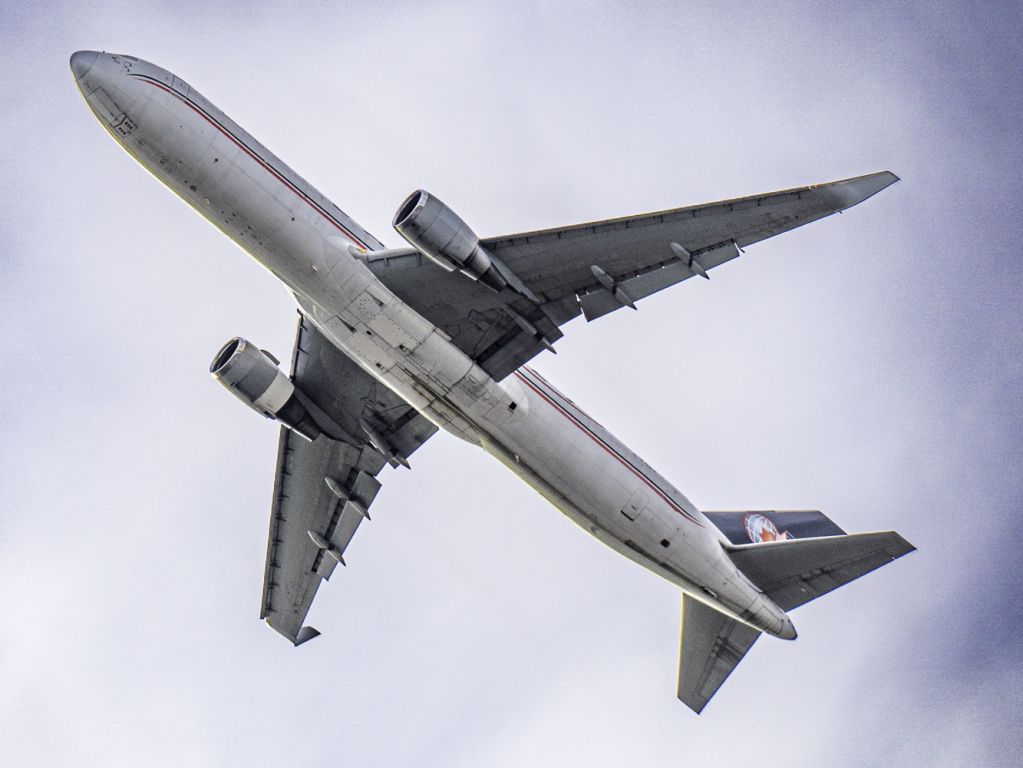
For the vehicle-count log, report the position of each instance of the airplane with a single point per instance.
(394, 344)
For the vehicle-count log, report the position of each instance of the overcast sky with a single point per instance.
(868, 365)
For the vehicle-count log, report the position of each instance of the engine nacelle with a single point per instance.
(435, 230)
(251, 376)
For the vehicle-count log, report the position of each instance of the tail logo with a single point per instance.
(761, 528)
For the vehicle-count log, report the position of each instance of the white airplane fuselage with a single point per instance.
(322, 256)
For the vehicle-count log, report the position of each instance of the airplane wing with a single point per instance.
(596, 268)
(324, 488)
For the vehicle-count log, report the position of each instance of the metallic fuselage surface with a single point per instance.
(319, 253)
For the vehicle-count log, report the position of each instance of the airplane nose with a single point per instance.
(81, 62)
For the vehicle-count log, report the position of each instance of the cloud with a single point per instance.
(868, 365)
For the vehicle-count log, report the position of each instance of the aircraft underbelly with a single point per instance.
(523, 421)
(593, 487)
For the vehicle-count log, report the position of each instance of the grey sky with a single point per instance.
(868, 365)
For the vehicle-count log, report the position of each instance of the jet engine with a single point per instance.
(251, 375)
(435, 230)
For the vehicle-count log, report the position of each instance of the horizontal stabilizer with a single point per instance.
(712, 645)
(797, 571)
(756, 526)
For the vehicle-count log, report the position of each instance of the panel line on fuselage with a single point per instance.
(255, 156)
(551, 395)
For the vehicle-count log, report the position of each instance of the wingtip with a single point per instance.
(695, 706)
(887, 177)
(854, 191)
(907, 546)
(306, 634)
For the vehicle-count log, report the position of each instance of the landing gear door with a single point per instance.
(635, 505)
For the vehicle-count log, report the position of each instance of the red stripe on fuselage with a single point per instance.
(311, 203)
(609, 450)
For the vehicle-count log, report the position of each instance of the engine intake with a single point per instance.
(251, 376)
(438, 232)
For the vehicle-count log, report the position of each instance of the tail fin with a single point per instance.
(712, 645)
(755, 526)
(796, 571)
(788, 569)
